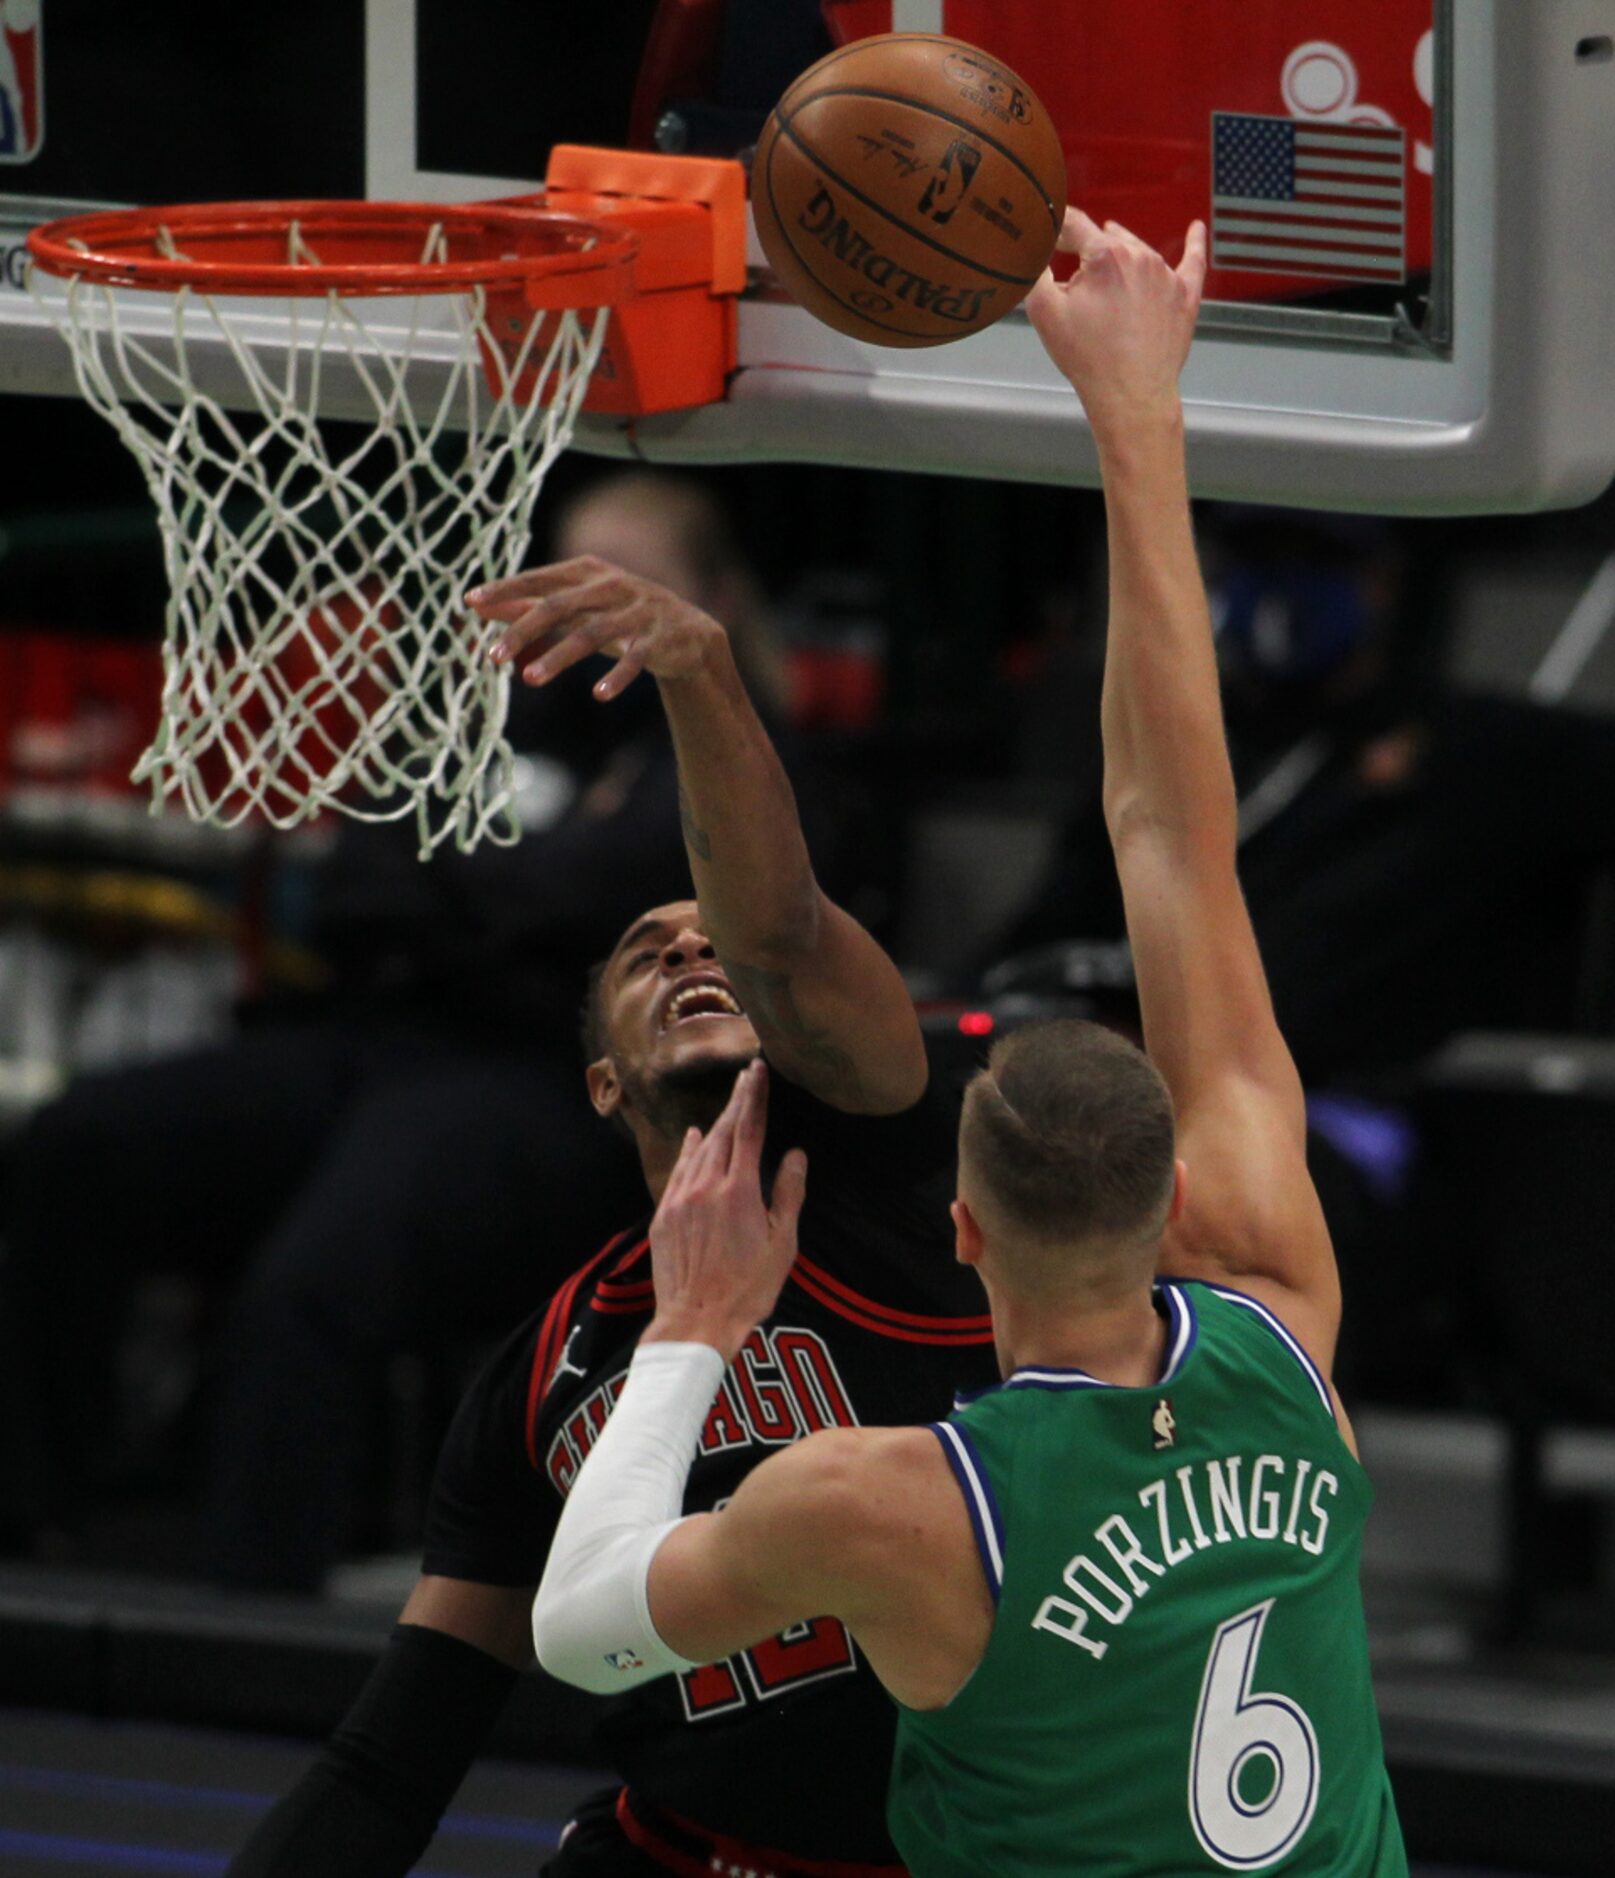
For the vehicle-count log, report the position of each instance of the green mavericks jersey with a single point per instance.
(1177, 1679)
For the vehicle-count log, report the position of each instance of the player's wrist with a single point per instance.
(708, 655)
(1127, 428)
(723, 1331)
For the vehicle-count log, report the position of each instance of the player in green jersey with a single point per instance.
(1116, 1597)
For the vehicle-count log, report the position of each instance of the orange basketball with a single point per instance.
(908, 189)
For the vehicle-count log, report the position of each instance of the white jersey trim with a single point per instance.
(1182, 1329)
(979, 1501)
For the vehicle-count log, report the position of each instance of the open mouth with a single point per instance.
(695, 1001)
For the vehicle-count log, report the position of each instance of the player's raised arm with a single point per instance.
(1120, 330)
(828, 1005)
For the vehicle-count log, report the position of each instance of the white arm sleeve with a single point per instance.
(591, 1618)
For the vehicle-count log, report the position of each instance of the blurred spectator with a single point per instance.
(1416, 861)
(392, 1169)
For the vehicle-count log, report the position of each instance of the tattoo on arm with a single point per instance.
(785, 1033)
(696, 838)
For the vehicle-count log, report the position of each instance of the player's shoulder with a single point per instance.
(618, 1272)
(847, 1485)
(916, 1138)
(864, 1454)
(875, 1234)
(608, 1292)
(1257, 1325)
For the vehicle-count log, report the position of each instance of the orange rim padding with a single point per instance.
(661, 240)
(672, 342)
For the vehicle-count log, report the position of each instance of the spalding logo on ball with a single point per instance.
(908, 189)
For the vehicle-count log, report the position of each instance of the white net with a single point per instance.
(318, 652)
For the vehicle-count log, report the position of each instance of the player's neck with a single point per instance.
(659, 1113)
(1120, 1340)
(657, 1156)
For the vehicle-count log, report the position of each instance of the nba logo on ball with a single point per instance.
(951, 178)
(22, 89)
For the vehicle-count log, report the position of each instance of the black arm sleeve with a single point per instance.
(369, 1805)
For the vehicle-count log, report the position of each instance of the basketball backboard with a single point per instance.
(1436, 337)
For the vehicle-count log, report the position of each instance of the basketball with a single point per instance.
(908, 189)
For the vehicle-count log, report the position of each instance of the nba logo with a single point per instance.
(22, 91)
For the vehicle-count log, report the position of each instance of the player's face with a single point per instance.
(668, 1005)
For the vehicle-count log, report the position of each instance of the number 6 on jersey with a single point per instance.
(1240, 1822)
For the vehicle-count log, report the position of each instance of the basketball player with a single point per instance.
(776, 1760)
(1116, 1596)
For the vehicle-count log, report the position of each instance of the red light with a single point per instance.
(976, 1023)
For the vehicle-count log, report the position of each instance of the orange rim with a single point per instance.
(364, 248)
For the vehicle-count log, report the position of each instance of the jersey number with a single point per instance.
(801, 1654)
(1253, 1774)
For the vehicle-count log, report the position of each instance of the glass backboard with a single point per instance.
(1410, 308)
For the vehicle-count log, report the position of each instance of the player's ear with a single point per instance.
(605, 1088)
(966, 1233)
(1180, 1190)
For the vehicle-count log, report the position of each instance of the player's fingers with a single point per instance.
(1044, 304)
(587, 590)
(501, 599)
(530, 633)
(519, 647)
(751, 1125)
(501, 612)
(1191, 270)
(585, 637)
(1079, 233)
(620, 677)
(533, 583)
(1039, 301)
(529, 625)
(679, 1180)
(790, 1189)
(720, 1136)
(737, 1121)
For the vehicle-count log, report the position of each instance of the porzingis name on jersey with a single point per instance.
(1217, 1502)
(783, 1385)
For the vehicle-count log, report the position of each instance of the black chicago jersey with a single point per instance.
(789, 1743)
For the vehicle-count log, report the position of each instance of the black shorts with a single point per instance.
(597, 1844)
(594, 1845)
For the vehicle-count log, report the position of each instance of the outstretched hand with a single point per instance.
(558, 615)
(1120, 328)
(719, 1256)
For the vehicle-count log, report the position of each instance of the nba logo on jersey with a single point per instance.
(22, 71)
(1163, 1425)
(624, 1659)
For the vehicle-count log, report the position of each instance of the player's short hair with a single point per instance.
(1068, 1131)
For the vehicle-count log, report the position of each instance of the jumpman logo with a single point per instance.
(566, 1367)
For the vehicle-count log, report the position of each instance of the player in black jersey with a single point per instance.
(774, 1762)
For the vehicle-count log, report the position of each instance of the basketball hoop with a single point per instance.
(318, 653)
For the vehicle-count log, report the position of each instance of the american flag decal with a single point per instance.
(1291, 197)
